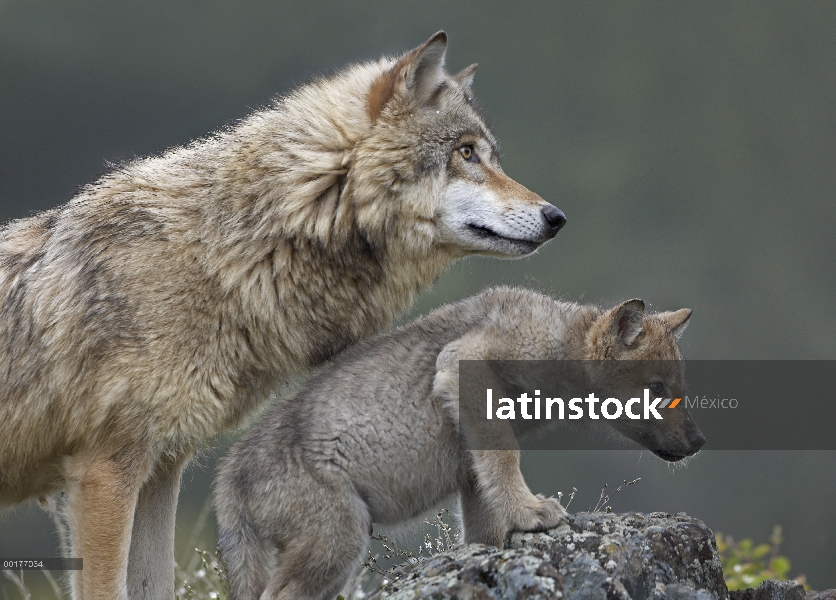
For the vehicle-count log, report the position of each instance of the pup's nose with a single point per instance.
(696, 439)
(554, 217)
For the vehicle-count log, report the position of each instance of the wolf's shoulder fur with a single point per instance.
(374, 438)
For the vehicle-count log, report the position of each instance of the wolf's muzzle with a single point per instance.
(554, 217)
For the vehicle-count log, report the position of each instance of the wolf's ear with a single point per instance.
(677, 320)
(627, 321)
(423, 70)
(416, 75)
(465, 76)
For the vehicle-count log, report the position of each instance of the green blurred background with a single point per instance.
(692, 146)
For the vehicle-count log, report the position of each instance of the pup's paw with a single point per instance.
(539, 514)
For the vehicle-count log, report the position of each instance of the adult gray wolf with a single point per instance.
(374, 437)
(167, 299)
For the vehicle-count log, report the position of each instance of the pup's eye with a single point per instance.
(656, 387)
(468, 153)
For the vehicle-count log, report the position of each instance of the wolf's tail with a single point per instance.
(244, 553)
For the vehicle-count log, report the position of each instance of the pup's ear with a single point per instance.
(627, 321)
(465, 76)
(416, 76)
(677, 320)
(423, 69)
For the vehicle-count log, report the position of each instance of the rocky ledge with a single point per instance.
(595, 556)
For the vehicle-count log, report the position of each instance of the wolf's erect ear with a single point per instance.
(627, 321)
(677, 320)
(417, 75)
(465, 76)
(423, 70)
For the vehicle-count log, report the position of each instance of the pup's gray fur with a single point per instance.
(372, 438)
(167, 299)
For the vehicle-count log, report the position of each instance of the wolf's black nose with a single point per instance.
(554, 217)
(696, 439)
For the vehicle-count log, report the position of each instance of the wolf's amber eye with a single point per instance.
(656, 387)
(468, 154)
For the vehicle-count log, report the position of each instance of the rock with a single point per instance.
(595, 556)
(772, 590)
(478, 572)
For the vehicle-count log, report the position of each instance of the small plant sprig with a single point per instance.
(407, 556)
(446, 538)
(571, 497)
(23, 588)
(203, 579)
(19, 583)
(603, 500)
(746, 565)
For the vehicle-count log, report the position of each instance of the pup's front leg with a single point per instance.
(499, 499)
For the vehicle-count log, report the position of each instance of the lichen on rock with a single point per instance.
(594, 556)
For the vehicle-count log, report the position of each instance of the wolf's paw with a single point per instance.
(541, 513)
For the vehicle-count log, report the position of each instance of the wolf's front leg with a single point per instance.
(151, 562)
(102, 495)
(499, 490)
(481, 524)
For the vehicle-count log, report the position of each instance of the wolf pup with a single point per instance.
(372, 438)
(167, 299)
